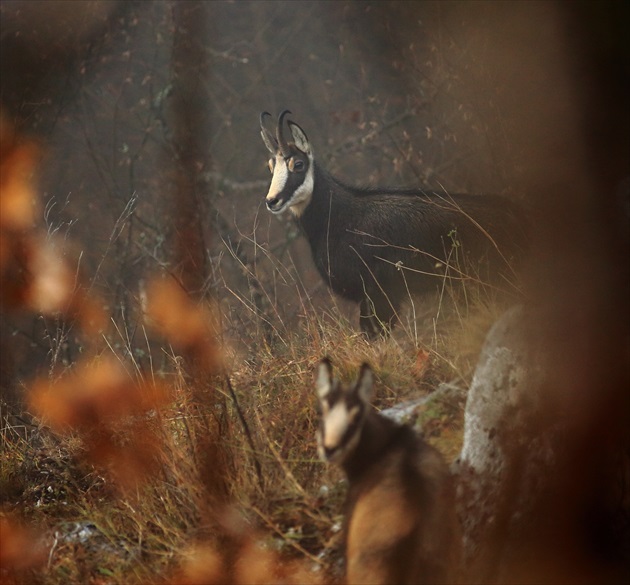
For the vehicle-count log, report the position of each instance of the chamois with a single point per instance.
(376, 246)
(400, 520)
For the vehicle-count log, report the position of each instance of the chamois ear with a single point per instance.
(364, 384)
(299, 137)
(323, 378)
(268, 139)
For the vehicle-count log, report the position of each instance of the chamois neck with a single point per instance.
(377, 435)
(329, 201)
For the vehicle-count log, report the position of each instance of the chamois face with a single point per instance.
(343, 412)
(291, 166)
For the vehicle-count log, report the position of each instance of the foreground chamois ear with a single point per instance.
(378, 246)
(323, 378)
(400, 524)
(364, 384)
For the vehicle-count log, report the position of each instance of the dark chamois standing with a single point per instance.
(377, 246)
(400, 520)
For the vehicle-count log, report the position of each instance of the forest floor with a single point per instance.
(221, 480)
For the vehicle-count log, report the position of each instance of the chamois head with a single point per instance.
(291, 166)
(343, 412)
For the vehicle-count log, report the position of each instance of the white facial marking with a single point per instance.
(279, 179)
(329, 438)
(302, 196)
(338, 419)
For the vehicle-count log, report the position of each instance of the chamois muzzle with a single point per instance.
(275, 205)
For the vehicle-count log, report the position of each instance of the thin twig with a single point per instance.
(288, 473)
(247, 432)
(364, 138)
(289, 541)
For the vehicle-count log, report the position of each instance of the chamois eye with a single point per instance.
(297, 165)
(272, 163)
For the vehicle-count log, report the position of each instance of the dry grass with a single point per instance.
(183, 451)
(147, 517)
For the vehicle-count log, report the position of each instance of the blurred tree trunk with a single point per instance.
(191, 147)
(191, 69)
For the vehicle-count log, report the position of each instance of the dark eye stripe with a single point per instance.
(352, 429)
(348, 433)
(294, 164)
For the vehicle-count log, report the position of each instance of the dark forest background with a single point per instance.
(150, 167)
(149, 116)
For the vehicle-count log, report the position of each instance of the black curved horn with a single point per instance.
(262, 119)
(284, 146)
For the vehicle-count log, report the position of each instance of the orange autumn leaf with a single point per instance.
(50, 288)
(92, 394)
(184, 323)
(203, 564)
(422, 362)
(129, 462)
(252, 565)
(18, 162)
(19, 547)
(99, 400)
(51, 282)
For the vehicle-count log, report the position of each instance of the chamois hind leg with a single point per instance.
(376, 316)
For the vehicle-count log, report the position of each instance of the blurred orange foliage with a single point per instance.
(251, 564)
(93, 394)
(17, 168)
(33, 274)
(19, 548)
(97, 399)
(423, 360)
(186, 324)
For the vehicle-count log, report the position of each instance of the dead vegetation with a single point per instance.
(152, 435)
(201, 468)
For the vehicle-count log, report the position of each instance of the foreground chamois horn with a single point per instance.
(377, 246)
(400, 521)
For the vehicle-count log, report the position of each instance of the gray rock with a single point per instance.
(505, 460)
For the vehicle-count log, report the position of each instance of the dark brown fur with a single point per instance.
(377, 246)
(401, 526)
(401, 523)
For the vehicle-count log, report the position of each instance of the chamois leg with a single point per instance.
(376, 317)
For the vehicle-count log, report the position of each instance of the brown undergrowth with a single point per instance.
(193, 460)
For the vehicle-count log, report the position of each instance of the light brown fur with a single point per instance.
(401, 531)
(401, 525)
